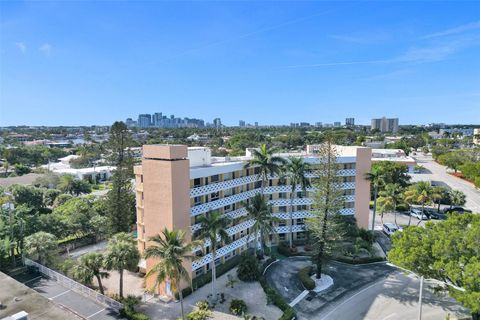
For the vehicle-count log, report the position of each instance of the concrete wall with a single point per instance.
(362, 187)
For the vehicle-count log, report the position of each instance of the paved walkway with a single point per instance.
(79, 304)
(251, 292)
(438, 173)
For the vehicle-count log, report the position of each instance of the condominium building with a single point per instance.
(176, 185)
(385, 124)
(350, 122)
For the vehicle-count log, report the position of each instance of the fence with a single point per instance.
(75, 286)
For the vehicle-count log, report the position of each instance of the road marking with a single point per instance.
(390, 315)
(39, 277)
(356, 294)
(299, 298)
(61, 294)
(95, 313)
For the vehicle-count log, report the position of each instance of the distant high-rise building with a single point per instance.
(318, 124)
(385, 125)
(256, 124)
(157, 119)
(337, 124)
(130, 122)
(217, 123)
(241, 123)
(144, 120)
(350, 122)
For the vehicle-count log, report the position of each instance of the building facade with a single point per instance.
(385, 124)
(350, 122)
(175, 185)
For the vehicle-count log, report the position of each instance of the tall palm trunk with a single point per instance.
(324, 226)
(375, 191)
(99, 283)
(121, 283)
(214, 275)
(291, 218)
(180, 294)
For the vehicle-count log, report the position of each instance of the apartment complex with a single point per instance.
(385, 124)
(175, 185)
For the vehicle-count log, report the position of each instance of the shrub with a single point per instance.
(199, 314)
(304, 275)
(202, 305)
(285, 250)
(238, 307)
(248, 269)
(366, 235)
(277, 300)
(353, 260)
(128, 310)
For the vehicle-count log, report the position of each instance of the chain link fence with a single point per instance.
(75, 286)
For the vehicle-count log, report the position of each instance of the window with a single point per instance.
(214, 196)
(282, 223)
(217, 261)
(198, 272)
(141, 178)
(227, 208)
(282, 209)
(282, 195)
(281, 237)
(300, 235)
(197, 200)
(215, 178)
(197, 182)
(300, 222)
(227, 176)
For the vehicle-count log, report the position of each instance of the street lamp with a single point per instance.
(420, 295)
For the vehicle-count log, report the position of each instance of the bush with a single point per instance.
(304, 275)
(285, 250)
(353, 260)
(128, 310)
(248, 269)
(238, 307)
(366, 235)
(202, 305)
(199, 314)
(277, 300)
(21, 169)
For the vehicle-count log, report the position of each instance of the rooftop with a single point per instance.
(17, 297)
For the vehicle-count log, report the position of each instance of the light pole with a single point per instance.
(420, 295)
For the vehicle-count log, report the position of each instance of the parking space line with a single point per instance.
(39, 277)
(95, 313)
(58, 295)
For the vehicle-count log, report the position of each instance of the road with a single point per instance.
(438, 173)
(394, 297)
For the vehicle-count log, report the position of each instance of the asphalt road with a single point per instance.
(438, 173)
(72, 300)
(394, 298)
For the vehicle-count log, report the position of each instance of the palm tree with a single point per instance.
(261, 212)
(439, 193)
(212, 227)
(457, 198)
(171, 249)
(420, 193)
(376, 179)
(267, 163)
(122, 254)
(296, 171)
(41, 246)
(391, 196)
(90, 265)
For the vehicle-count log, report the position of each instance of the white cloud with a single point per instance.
(21, 46)
(46, 49)
(460, 29)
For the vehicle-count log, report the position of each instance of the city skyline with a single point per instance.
(274, 64)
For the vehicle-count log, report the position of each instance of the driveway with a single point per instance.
(438, 173)
(371, 291)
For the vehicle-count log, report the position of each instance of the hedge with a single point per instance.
(277, 300)
(285, 250)
(351, 260)
(307, 281)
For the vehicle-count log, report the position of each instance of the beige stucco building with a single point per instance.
(175, 185)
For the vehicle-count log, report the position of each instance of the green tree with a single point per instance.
(261, 213)
(69, 184)
(447, 251)
(452, 160)
(172, 250)
(28, 195)
(296, 170)
(121, 198)
(213, 228)
(390, 197)
(42, 247)
(49, 197)
(328, 201)
(122, 254)
(457, 198)
(419, 193)
(267, 163)
(90, 266)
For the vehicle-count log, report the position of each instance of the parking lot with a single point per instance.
(68, 298)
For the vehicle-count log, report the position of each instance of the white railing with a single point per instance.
(75, 286)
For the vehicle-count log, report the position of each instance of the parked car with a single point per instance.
(457, 209)
(390, 228)
(436, 215)
(417, 213)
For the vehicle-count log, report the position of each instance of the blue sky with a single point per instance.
(74, 63)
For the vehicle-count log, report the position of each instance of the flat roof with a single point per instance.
(17, 297)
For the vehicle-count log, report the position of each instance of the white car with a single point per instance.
(417, 213)
(390, 228)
